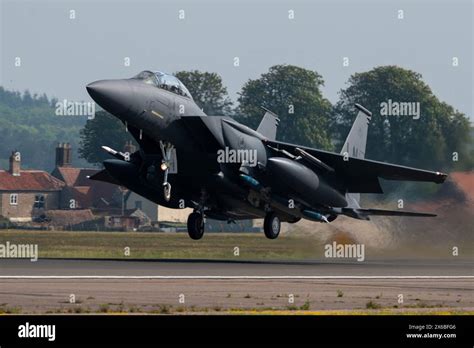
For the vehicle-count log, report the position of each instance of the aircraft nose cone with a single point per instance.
(112, 95)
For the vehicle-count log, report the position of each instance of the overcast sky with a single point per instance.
(59, 55)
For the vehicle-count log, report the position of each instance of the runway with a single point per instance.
(180, 286)
(234, 269)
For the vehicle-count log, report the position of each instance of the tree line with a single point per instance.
(28, 124)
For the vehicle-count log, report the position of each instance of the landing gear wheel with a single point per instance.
(195, 226)
(271, 226)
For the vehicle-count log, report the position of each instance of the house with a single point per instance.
(104, 199)
(73, 219)
(79, 192)
(26, 194)
(135, 201)
(125, 223)
(173, 215)
(154, 211)
(67, 198)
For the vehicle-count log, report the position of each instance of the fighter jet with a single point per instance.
(227, 171)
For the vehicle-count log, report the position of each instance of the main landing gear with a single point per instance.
(271, 225)
(196, 225)
(196, 219)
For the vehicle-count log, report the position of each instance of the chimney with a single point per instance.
(129, 147)
(15, 162)
(63, 155)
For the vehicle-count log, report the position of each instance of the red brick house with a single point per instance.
(79, 192)
(27, 194)
(67, 196)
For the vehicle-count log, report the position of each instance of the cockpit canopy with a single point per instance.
(164, 81)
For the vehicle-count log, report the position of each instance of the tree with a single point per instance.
(29, 125)
(425, 140)
(293, 93)
(207, 90)
(103, 129)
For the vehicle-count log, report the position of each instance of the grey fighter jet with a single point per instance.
(227, 171)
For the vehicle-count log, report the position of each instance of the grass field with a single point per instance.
(162, 245)
(251, 246)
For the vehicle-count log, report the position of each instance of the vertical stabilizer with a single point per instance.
(355, 145)
(269, 124)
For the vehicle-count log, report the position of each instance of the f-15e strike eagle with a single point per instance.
(227, 171)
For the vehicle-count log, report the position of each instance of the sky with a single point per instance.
(60, 55)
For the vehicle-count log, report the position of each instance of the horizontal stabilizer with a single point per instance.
(363, 214)
(382, 212)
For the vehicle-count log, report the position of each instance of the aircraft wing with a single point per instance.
(361, 175)
(206, 131)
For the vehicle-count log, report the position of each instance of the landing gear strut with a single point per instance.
(166, 153)
(271, 225)
(196, 225)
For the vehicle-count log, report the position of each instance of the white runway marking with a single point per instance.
(233, 277)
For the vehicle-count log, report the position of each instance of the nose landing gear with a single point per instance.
(167, 162)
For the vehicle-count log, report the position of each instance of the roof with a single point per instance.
(74, 176)
(69, 217)
(86, 192)
(29, 180)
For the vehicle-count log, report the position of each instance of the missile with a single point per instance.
(251, 181)
(116, 154)
(313, 215)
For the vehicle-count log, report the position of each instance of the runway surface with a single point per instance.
(215, 268)
(164, 286)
